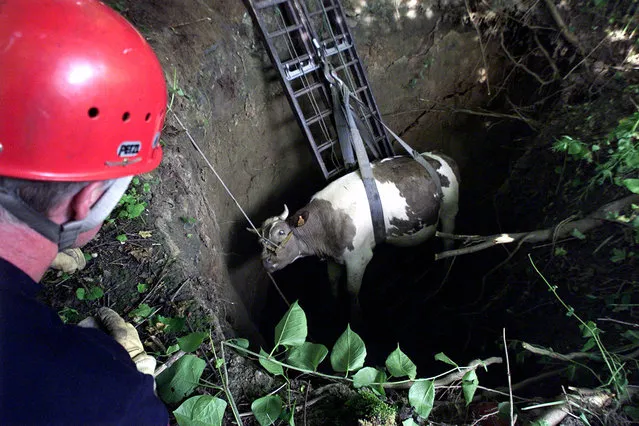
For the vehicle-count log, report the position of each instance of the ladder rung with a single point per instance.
(361, 89)
(296, 61)
(319, 116)
(346, 65)
(268, 3)
(334, 172)
(307, 89)
(318, 12)
(323, 147)
(289, 29)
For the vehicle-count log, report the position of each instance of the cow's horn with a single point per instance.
(284, 215)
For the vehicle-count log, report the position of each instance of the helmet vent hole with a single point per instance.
(148, 117)
(126, 116)
(93, 112)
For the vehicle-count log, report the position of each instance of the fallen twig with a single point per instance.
(449, 378)
(630, 324)
(535, 379)
(562, 357)
(563, 230)
(169, 362)
(592, 399)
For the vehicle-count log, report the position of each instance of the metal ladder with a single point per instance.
(301, 36)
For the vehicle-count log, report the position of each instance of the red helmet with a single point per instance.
(82, 95)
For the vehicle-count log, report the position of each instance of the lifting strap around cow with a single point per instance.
(351, 140)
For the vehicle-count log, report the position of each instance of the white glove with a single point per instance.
(69, 260)
(125, 334)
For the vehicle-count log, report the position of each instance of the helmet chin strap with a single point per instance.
(65, 235)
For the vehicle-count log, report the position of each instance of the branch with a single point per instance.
(169, 362)
(449, 378)
(585, 398)
(555, 355)
(570, 37)
(563, 230)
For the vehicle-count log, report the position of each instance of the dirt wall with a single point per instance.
(422, 59)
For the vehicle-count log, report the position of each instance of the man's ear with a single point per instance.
(82, 202)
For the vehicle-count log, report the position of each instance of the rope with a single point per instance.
(188, 134)
(197, 147)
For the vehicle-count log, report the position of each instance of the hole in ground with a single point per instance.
(402, 294)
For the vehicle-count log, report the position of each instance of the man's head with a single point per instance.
(82, 104)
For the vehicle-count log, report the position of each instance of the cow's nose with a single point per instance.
(269, 265)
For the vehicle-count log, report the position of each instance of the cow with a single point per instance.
(337, 225)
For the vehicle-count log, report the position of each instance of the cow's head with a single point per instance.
(280, 247)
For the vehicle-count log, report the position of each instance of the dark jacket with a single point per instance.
(54, 373)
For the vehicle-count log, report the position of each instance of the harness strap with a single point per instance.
(66, 234)
(419, 158)
(365, 169)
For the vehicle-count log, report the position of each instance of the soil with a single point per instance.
(440, 90)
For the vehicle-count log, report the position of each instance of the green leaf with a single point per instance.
(369, 375)
(291, 330)
(270, 366)
(178, 381)
(399, 365)
(142, 288)
(409, 422)
(470, 382)
(94, 293)
(242, 343)
(560, 251)
(80, 293)
(135, 210)
(172, 349)
(219, 363)
(590, 343)
(443, 358)
(589, 329)
(121, 238)
(290, 416)
(422, 397)
(135, 181)
(349, 352)
(191, 342)
(201, 410)
(308, 356)
(267, 409)
(67, 314)
(618, 255)
(172, 325)
(577, 234)
(632, 185)
(141, 311)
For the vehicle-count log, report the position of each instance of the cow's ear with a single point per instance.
(254, 231)
(300, 218)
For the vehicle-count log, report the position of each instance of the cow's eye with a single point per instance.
(281, 232)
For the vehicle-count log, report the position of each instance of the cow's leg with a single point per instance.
(447, 219)
(355, 268)
(335, 272)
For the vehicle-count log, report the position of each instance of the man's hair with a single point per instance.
(41, 196)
